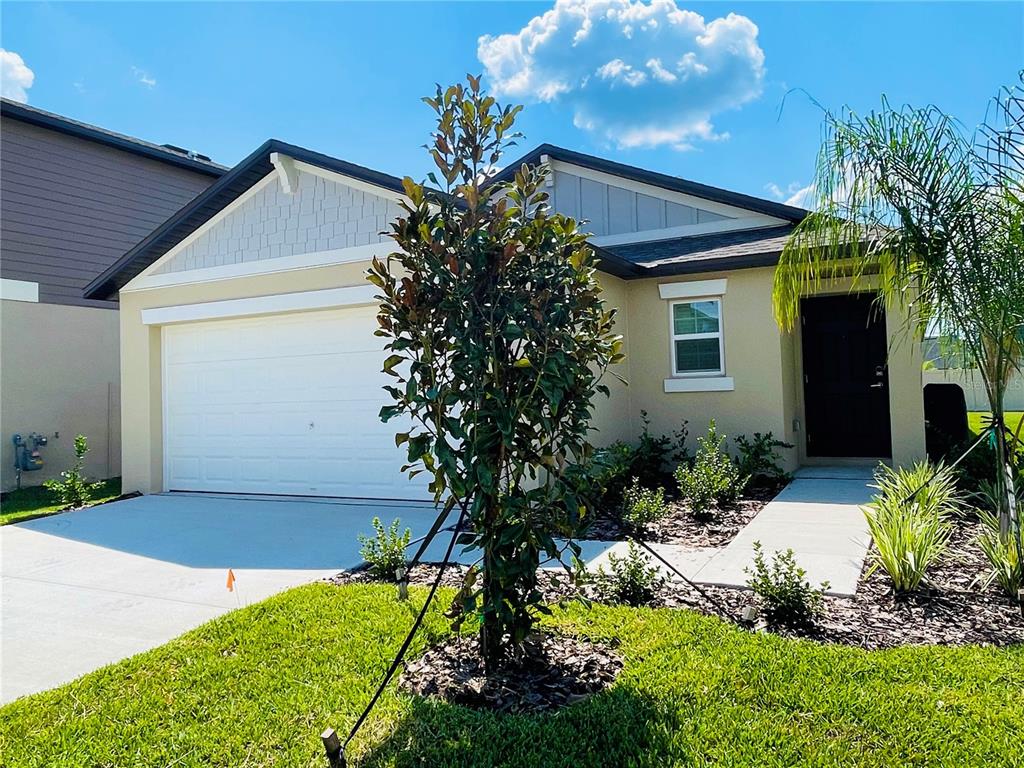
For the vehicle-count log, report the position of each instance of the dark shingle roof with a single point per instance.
(698, 253)
(703, 253)
(40, 117)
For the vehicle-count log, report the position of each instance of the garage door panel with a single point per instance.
(285, 404)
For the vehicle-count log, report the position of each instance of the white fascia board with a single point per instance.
(653, 190)
(19, 290)
(700, 384)
(329, 258)
(330, 298)
(693, 289)
(226, 211)
(687, 230)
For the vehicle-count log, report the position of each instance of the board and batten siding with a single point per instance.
(69, 207)
(320, 215)
(612, 210)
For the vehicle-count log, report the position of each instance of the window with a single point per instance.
(697, 338)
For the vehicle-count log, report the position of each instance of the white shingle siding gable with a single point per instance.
(612, 210)
(321, 215)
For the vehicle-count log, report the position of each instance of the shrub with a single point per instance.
(613, 467)
(788, 597)
(911, 535)
(758, 458)
(73, 490)
(1003, 555)
(631, 580)
(713, 480)
(641, 506)
(385, 551)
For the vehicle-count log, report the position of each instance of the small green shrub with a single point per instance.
(611, 468)
(1003, 555)
(642, 506)
(789, 599)
(385, 551)
(758, 458)
(73, 490)
(713, 479)
(910, 536)
(631, 580)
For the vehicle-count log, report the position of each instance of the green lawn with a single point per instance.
(256, 687)
(978, 420)
(27, 503)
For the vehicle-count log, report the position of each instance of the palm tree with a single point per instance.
(930, 217)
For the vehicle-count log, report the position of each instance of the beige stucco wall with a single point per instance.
(59, 376)
(755, 358)
(141, 355)
(763, 362)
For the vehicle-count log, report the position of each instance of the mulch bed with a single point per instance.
(952, 610)
(679, 526)
(552, 671)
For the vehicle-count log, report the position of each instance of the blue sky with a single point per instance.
(654, 86)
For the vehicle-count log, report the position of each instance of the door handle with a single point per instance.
(879, 385)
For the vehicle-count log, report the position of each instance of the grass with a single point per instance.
(36, 501)
(257, 686)
(978, 420)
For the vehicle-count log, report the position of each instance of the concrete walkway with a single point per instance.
(818, 516)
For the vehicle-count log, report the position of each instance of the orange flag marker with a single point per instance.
(231, 580)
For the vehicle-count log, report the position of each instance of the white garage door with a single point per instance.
(282, 404)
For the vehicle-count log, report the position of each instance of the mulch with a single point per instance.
(680, 526)
(954, 609)
(551, 671)
(555, 670)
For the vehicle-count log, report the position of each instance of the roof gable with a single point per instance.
(228, 189)
(704, 196)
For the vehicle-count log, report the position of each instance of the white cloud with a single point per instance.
(143, 77)
(635, 73)
(15, 76)
(803, 197)
(794, 193)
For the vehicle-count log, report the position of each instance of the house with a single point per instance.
(249, 362)
(74, 198)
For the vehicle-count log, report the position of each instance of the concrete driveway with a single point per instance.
(84, 589)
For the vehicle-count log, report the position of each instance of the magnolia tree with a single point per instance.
(932, 218)
(498, 339)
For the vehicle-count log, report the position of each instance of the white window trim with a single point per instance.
(698, 384)
(19, 290)
(693, 289)
(330, 298)
(674, 337)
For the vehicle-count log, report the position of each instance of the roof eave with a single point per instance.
(53, 122)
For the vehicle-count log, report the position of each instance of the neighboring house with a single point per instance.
(250, 365)
(73, 199)
(940, 369)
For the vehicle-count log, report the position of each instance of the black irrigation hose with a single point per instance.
(935, 474)
(419, 618)
(719, 605)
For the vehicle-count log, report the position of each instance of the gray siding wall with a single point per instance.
(69, 208)
(612, 210)
(320, 215)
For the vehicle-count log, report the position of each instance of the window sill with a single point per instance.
(700, 384)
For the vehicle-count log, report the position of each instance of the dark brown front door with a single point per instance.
(846, 379)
